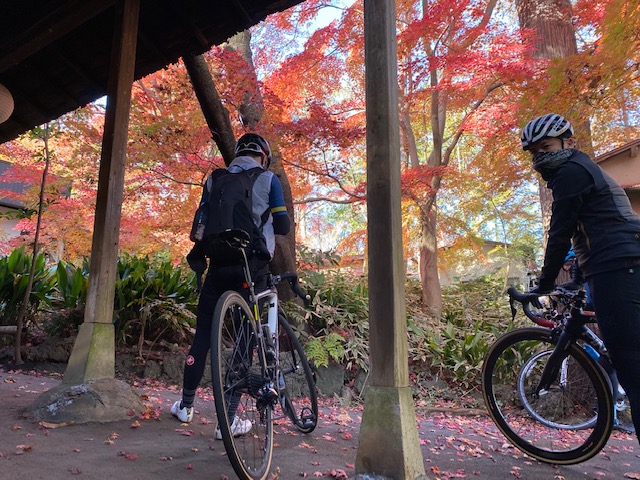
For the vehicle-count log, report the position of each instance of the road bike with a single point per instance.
(258, 364)
(549, 389)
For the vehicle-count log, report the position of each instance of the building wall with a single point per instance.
(623, 165)
(7, 230)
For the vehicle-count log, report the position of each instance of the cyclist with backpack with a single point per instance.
(245, 195)
(592, 212)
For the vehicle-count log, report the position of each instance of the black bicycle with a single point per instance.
(257, 364)
(550, 389)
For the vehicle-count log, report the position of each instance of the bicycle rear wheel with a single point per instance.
(569, 403)
(296, 385)
(243, 393)
(501, 371)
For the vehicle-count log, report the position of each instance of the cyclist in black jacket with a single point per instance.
(592, 212)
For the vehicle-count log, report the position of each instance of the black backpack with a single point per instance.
(228, 205)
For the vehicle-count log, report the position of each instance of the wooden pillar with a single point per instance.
(389, 444)
(93, 355)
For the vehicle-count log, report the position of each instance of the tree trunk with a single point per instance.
(284, 259)
(25, 302)
(431, 290)
(555, 38)
(215, 113)
(251, 111)
(252, 106)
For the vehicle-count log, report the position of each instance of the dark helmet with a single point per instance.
(549, 125)
(253, 143)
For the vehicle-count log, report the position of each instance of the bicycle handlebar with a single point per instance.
(575, 298)
(292, 278)
(526, 299)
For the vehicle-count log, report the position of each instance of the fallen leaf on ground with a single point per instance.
(56, 425)
(128, 456)
(338, 473)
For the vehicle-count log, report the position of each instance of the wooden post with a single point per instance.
(389, 444)
(93, 355)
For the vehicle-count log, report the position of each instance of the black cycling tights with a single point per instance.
(616, 298)
(217, 282)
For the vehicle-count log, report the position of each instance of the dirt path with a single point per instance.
(153, 445)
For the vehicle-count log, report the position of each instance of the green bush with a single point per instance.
(475, 313)
(145, 289)
(68, 298)
(153, 300)
(337, 325)
(14, 277)
(452, 348)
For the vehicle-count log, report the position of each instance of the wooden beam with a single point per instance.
(54, 26)
(389, 444)
(93, 355)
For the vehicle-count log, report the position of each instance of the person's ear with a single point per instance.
(570, 143)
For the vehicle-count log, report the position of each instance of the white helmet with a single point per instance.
(549, 125)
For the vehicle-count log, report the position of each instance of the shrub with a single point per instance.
(338, 324)
(68, 298)
(14, 277)
(144, 288)
(153, 300)
(475, 313)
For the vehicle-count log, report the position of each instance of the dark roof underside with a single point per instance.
(55, 54)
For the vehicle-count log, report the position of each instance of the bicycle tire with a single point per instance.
(500, 371)
(297, 387)
(239, 375)
(553, 408)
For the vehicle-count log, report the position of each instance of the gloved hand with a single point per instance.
(197, 260)
(573, 286)
(542, 290)
(536, 292)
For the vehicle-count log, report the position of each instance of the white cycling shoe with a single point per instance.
(238, 427)
(184, 414)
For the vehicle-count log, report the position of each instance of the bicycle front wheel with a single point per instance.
(568, 403)
(502, 370)
(242, 388)
(296, 383)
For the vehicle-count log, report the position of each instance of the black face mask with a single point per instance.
(546, 163)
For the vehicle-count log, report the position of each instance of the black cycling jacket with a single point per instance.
(593, 212)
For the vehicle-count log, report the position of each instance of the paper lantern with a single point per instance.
(6, 104)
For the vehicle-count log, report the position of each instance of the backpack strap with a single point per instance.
(254, 173)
